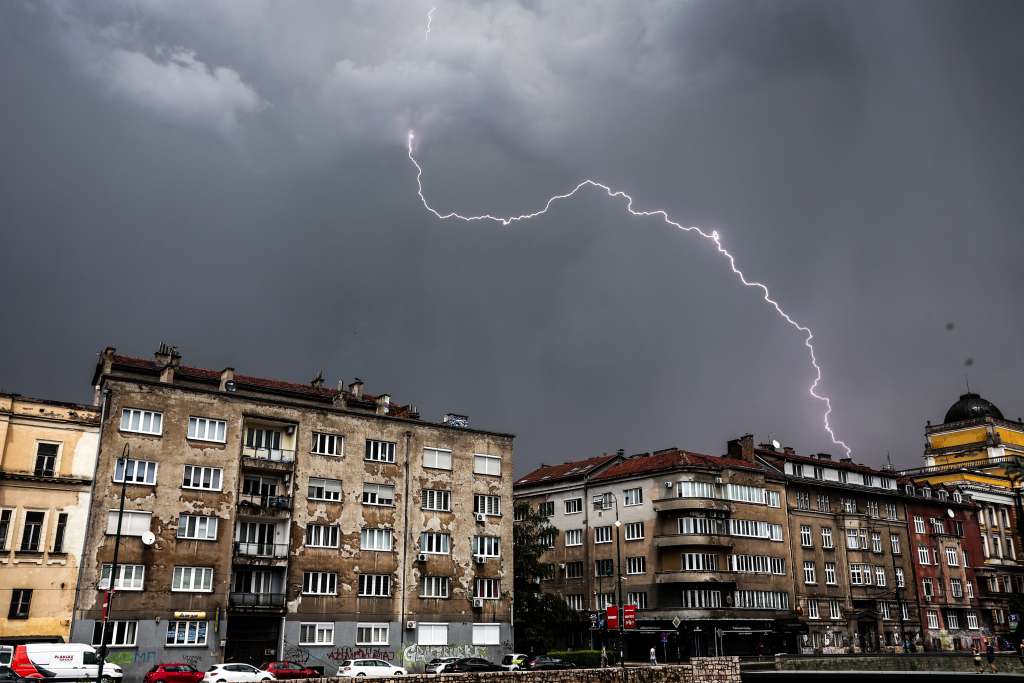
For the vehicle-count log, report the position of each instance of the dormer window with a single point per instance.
(958, 497)
(908, 489)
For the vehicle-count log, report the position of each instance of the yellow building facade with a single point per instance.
(47, 461)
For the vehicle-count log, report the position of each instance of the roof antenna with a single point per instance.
(888, 457)
(967, 381)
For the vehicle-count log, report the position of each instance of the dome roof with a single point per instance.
(971, 407)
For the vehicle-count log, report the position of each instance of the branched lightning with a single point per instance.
(430, 19)
(712, 237)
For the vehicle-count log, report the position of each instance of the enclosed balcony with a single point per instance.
(257, 590)
(256, 602)
(723, 578)
(263, 504)
(674, 504)
(683, 540)
(261, 543)
(268, 446)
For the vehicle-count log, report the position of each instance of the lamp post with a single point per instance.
(108, 598)
(600, 504)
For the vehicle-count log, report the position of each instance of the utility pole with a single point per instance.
(108, 598)
(618, 576)
(899, 594)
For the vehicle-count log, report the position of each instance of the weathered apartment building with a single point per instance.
(701, 543)
(47, 458)
(268, 519)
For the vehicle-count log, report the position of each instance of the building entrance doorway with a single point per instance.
(252, 639)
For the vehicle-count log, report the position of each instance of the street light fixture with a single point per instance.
(108, 597)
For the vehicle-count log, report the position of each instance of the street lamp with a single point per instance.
(108, 598)
(600, 504)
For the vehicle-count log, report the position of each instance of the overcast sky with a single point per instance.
(231, 177)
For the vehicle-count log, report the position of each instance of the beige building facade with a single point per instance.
(47, 459)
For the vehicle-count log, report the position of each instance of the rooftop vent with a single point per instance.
(453, 420)
(824, 456)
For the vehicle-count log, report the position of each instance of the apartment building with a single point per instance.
(268, 519)
(47, 458)
(699, 543)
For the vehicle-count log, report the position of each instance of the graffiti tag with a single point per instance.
(340, 654)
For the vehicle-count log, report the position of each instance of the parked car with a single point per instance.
(236, 673)
(437, 665)
(7, 675)
(369, 668)
(284, 670)
(513, 661)
(543, 663)
(470, 664)
(173, 672)
(61, 660)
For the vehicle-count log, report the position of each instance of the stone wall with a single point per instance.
(947, 661)
(700, 670)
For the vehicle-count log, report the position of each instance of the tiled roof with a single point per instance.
(671, 459)
(836, 464)
(567, 470)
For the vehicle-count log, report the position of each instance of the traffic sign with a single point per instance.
(664, 637)
(676, 622)
(629, 616)
(612, 616)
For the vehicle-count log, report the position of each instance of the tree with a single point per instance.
(540, 618)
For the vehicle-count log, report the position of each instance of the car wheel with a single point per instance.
(397, 673)
(362, 674)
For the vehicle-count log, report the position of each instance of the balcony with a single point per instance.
(264, 504)
(673, 504)
(722, 578)
(273, 459)
(261, 553)
(257, 602)
(681, 540)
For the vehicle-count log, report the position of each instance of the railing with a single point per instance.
(265, 501)
(257, 549)
(975, 463)
(257, 600)
(268, 454)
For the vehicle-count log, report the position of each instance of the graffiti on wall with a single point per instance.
(418, 655)
(294, 653)
(129, 657)
(340, 654)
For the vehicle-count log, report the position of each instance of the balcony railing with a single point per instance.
(269, 454)
(264, 550)
(265, 501)
(257, 600)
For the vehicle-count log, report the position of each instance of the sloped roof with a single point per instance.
(567, 470)
(670, 459)
(835, 464)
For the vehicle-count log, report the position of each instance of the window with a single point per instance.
(375, 585)
(805, 536)
(573, 505)
(634, 531)
(379, 494)
(894, 540)
(327, 444)
(487, 505)
(890, 511)
(844, 476)
(938, 526)
(546, 509)
(772, 499)
(32, 533)
(547, 539)
(701, 599)
(186, 633)
(138, 472)
(926, 588)
(435, 543)
(923, 556)
(830, 573)
(636, 565)
(835, 609)
(810, 576)
(860, 574)
(849, 505)
(803, 500)
(632, 497)
(486, 634)
(487, 464)
(58, 537)
(958, 497)
(702, 526)
(205, 429)
(812, 610)
(141, 421)
(602, 534)
(192, 579)
(876, 542)
(206, 478)
(380, 451)
(574, 570)
(119, 633)
(46, 459)
(436, 499)
(952, 557)
(956, 588)
(520, 512)
(826, 538)
(696, 489)
(699, 562)
(431, 634)
(574, 601)
(872, 508)
(316, 634)
(5, 526)
(130, 577)
(819, 472)
(880, 580)
(263, 443)
(375, 539)
(886, 609)
(21, 600)
(372, 634)
(487, 546)
(436, 587)
(852, 539)
(754, 529)
(319, 583)
(197, 527)
(322, 535)
(324, 489)
(573, 537)
(972, 618)
(798, 470)
(918, 524)
(603, 568)
(488, 589)
(437, 458)
(774, 600)
(900, 579)
(638, 598)
(969, 589)
(133, 522)
(824, 505)
(933, 619)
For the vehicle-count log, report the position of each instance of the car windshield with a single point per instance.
(347, 662)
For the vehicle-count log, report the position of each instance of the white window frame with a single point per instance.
(379, 633)
(487, 546)
(436, 500)
(573, 506)
(806, 536)
(918, 524)
(487, 504)
(187, 633)
(332, 489)
(374, 585)
(322, 534)
(435, 543)
(487, 465)
(633, 496)
(373, 491)
(491, 586)
(322, 633)
(605, 535)
(117, 633)
(211, 527)
(431, 633)
(207, 424)
(573, 537)
(132, 467)
(434, 458)
(318, 441)
(436, 587)
(377, 450)
(319, 583)
(188, 478)
(187, 579)
(128, 416)
(137, 578)
(636, 565)
(830, 573)
(133, 523)
(486, 634)
(812, 609)
(810, 572)
(376, 538)
(634, 531)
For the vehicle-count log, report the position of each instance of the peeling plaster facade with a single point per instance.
(267, 442)
(47, 459)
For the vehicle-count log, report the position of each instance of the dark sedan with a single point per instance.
(547, 664)
(470, 664)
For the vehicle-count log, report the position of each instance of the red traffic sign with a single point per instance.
(629, 616)
(611, 615)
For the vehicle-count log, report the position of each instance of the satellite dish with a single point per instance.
(230, 385)
(775, 444)
(148, 538)
(949, 513)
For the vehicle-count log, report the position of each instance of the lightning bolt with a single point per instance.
(712, 237)
(430, 19)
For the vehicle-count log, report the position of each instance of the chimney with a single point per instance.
(356, 388)
(167, 359)
(383, 404)
(742, 448)
(227, 375)
(824, 456)
(621, 452)
(846, 460)
(789, 450)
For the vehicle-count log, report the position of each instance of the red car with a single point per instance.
(287, 670)
(173, 672)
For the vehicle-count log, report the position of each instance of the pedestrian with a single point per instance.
(604, 657)
(1020, 651)
(654, 657)
(977, 658)
(990, 654)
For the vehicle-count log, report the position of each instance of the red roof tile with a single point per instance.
(837, 464)
(567, 470)
(669, 460)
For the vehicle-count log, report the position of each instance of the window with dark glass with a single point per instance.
(33, 531)
(46, 459)
(58, 538)
(21, 598)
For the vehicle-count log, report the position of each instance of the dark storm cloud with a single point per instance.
(233, 180)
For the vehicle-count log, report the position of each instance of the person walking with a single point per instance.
(654, 657)
(604, 657)
(976, 653)
(990, 654)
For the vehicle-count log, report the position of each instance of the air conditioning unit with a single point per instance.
(478, 603)
(479, 559)
(410, 625)
(481, 518)
(422, 557)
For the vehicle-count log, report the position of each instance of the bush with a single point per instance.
(584, 659)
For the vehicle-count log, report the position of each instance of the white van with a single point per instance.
(68, 661)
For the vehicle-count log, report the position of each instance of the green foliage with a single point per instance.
(583, 659)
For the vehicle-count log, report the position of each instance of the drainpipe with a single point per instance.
(405, 536)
